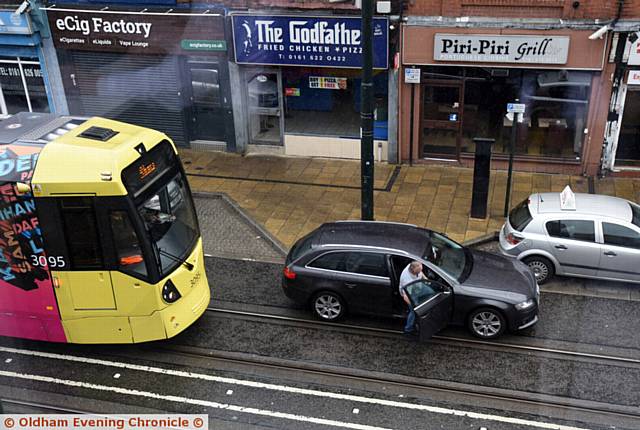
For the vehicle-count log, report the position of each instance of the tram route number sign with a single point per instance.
(515, 107)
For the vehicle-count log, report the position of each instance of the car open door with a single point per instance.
(432, 303)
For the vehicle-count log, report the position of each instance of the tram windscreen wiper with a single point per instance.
(188, 265)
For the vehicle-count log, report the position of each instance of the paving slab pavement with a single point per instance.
(290, 196)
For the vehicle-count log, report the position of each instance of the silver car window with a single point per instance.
(618, 235)
(572, 229)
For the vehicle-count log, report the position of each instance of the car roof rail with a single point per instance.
(376, 222)
(348, 245)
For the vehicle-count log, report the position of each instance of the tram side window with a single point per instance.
(130, 258)
(81, 231)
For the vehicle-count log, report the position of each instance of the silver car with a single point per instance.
(585, 235)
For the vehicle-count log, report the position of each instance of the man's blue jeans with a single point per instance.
(411, 319)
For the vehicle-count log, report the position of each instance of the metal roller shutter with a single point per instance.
(139, 89)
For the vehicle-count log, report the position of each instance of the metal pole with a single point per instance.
(512, 147)
(411, 125)
(366, 112)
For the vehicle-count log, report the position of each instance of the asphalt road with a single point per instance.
(261, 396)
(134, 378)
(569, 318)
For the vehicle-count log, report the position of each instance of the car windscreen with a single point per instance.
(449, 256)
(520, 216)
(635, 214)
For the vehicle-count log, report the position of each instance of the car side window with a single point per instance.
(618, 235)
(367, 263)
(421, 291)
(330, 261)
(572, 229)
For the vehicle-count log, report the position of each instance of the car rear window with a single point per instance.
(520, 216)
(300, 247)
(635, 211)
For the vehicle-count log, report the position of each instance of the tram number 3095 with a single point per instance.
(51, 261)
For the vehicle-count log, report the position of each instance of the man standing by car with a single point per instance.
(411, 273)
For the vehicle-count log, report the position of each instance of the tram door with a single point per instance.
(88, 282)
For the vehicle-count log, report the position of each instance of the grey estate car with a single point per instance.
(355, 266)
(591, 236)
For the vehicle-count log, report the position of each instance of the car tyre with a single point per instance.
(486, 323)
(542, 268)
(328, 306)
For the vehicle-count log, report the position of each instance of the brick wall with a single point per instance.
(566, 9)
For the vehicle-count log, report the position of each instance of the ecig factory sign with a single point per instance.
(501, 49)
(334, 41)
(131, 32)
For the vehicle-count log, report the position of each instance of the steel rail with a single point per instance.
(44, 406)
(314, 369)
(449, 339)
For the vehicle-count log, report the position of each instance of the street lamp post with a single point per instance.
(366, 113)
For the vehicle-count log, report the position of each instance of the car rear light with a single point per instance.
(513, 239)
(289, 274)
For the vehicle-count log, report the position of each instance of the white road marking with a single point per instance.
(179, 399)
(287, 389)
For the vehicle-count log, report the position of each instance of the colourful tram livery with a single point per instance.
(99, 239)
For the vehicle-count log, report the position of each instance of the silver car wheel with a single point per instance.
(486, 324)
(540, 270)
(328, 307)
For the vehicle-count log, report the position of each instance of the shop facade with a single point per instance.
(23, 80)
(298, 84)
(465, 77)
(622, 142)
(161, 69)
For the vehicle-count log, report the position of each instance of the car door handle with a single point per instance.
(610, 253)
(349, 285)
(560, 247)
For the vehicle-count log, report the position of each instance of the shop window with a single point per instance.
(22, 87)
(326, 102)
(557, 104)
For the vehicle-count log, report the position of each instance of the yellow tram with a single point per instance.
(99, 237)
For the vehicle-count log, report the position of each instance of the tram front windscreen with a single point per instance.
(164, 203)
(170, 220)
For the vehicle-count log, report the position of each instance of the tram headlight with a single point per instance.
(170, 293)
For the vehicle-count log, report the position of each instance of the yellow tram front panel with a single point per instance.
(139, 314)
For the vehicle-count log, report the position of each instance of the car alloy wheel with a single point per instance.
(486, 323)
(541, 267)
(328, 306)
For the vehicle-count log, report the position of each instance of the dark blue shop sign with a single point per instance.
(307, 41)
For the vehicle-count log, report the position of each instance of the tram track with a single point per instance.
(438, 339)
(37, 407)
(551, 406)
